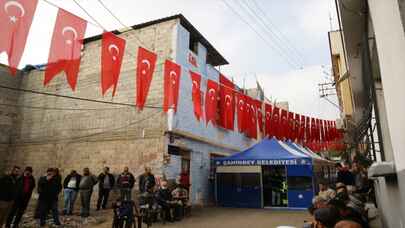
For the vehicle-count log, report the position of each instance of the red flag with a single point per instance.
(313, 129)
(241, 107)
(308, 129)
(171, 83)
(283, 124)
(196, 94)
(226, 103)
(66, 45)
(211, 102)
(16, 18)
(296, 127)
(251, 118)
(144, 72)
(268, 109)
(112, 51)
(275, 122)
(259, 114)
(301, 133)
(323, 126)
(290, 126)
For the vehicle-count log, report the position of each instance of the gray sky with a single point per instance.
(300, 23)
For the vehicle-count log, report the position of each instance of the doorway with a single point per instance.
(274, 186)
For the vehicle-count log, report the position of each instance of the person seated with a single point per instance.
(124, 212)
(180, 195)
(165, 200)
(341, 192)
(347, 212)
(325, 191)
(325, 218)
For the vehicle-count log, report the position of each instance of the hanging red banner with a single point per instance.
(296, 127)
(112, 51)
(250, 118)
(171, 85)
(290, 124)
(268, 110)
(146, 62)
(301, 133)
(308, 136)
(196, 94)
(241, 106)
(259, 115)
(211, 102)
(226, 103)
(283, 127)
(16, 18)
(275, 122)
(66, 45)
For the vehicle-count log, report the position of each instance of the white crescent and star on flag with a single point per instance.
(147, 63)
(71, 30)
(114, 47)
(173, 77)
(8, 5)
(211, 93)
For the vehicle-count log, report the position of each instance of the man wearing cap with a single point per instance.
(24, 186)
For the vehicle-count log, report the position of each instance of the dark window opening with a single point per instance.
(193, 45)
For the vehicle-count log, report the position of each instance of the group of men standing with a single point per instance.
(16, 191)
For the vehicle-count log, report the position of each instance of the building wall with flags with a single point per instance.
(74, 133)
(8, 114)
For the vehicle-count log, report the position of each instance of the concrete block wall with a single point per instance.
(8, 114)
(73, 134)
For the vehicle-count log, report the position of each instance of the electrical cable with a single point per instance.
(282, 37)
(257, 33)
(58, 109)
(89, 15)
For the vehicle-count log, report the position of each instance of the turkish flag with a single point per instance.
(259, 110)
(313, 129)
(211, 102)
(308, 137)
(145, 67)
(112, 51)
(171, 86)
(323, 125)
(251, 118)
(241, 108)
(268, 109)
(275, 122)
(196, 94)
(290, 124)
(296, 127)
(283, 127)
(301, 133)
(16, 19)
(226, 103)
(66, 45)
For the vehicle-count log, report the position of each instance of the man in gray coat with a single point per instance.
(86, 185)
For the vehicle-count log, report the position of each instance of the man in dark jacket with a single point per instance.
(126, 182)
(105, 184)
(146, 180)
(71, 188)
(165, 200)
(8, 185)
(24, 186)
(344, 175)
(49, 188)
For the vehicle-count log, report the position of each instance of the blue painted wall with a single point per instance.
(185, 120)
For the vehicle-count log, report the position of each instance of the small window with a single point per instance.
(193, 45)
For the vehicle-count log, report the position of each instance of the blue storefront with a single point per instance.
(271, 174)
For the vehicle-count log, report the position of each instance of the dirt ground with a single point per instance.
(230, 217)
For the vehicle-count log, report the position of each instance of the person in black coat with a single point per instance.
(126, 182)
(8, 185)
(344, 175)
(106, 182)
(70, 191)
(49, 187)
(165, 200)
(24, 186)
(146, 180)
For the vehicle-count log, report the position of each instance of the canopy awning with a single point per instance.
(266, 152)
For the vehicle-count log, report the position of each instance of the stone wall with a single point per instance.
(73, 134)
(8, 111)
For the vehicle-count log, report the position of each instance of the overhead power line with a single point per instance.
(278, 32)
(259, 34)
(268, 32)
(76, 98)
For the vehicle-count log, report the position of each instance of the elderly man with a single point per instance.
(326, 192)
(86, 185)
(126, 182)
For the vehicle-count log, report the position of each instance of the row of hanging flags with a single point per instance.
(222, 99)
